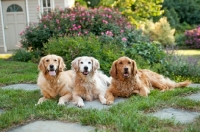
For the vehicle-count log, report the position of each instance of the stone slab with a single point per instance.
(96, 104)
(195, 97)
(52, 126)
(194, 85)
(178, 115)
(22, 86)
(1, 111)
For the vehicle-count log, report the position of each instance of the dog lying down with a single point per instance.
(128, 80)
(90, 83)
(53, 80)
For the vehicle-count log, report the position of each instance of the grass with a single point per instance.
(132, 115)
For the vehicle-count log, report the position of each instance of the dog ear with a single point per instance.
(95, 64)
(41, 66)
(61, 64)
(75, 64)
(113, 70)
(134, 68)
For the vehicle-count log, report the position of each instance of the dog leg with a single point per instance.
(109, 98)
(64, 99)
(143, 92)
(41, 100)
(78, 101)
(102, 99)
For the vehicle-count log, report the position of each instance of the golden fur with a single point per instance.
(128, 80)
(53, 80)
(89, 82)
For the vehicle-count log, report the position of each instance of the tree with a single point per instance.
(136, 10)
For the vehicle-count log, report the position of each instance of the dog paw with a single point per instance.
(80, 104)
(61, 103)
(103, 101)
(109, 102)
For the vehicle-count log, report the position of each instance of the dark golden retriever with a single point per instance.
(128, 80)
(53, 80)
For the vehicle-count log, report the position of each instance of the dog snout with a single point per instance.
(125, 69)
(51, 66)
(85, 68)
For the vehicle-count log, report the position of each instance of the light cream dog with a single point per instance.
(90, 83)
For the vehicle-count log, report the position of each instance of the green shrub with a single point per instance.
(160, 31)
(151, 52)
(71, 47)
(181, 68)
(22, 55)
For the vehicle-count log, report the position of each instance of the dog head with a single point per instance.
(51, 64)
(85, 65)
(123, 68)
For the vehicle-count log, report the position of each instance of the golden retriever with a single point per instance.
(90, 83)
(128, 80)
(53, 80)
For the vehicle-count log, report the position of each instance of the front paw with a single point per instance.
(61, 103)
(103, 101)
(80, 104)
(109, 102)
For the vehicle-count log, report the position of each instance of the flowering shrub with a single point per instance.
(193, 38)
(78, 21)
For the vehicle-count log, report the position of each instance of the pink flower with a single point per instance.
(57, 21)
(45, 26)
(109, 33)
(124, 39)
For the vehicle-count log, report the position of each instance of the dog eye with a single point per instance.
(47, 60)
(89, 62)
(81, 62)
(55, 60)
(129, 62)
(120, 62)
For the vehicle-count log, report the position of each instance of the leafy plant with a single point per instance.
(151, 52)
(160, 31)
(71, 47)
(193, 38)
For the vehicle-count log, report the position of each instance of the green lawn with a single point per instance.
(129, 116)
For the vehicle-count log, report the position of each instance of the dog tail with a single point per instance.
(182, 84)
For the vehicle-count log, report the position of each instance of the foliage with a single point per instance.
(160, 31)
(152, 53)
(71, 47)
(136, 10)
(193, 38)
(188, 10)
(181, 68)
(22, 55)
(78, 21)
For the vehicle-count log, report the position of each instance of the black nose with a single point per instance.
(125, 69)
(85, 68)
(51, 66)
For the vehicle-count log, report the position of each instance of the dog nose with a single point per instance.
(125, 69)
(51, 66)
(85, 68)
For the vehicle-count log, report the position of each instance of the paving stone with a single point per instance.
(194, 85)
(178, 115)
(22, 86)
(52, 126)
(1, 111)
(96, 104)
(195, 97)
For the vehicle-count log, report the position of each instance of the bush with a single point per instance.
(151, 52)
(193, 38)
(22, 55)
(181, 68)
(71, 47)
(78, 21)
(160, 31)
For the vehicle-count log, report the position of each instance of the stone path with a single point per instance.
(178, 115)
